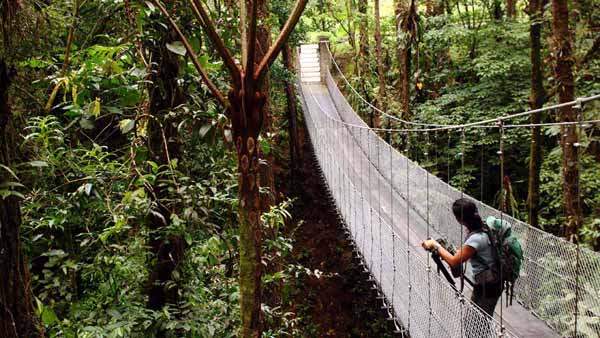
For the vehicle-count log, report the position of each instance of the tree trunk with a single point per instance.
(537, 99)
(404, 52)
(165, 94)
(405, 82)
(246, 120)
(17, 316)
(381, 100)
(428, 7)
(70, 37)
(363, 53)
(497, 10)
(511, 9)
(438, 7)
(264, 43)
(564, 77)
(363, 31)
(292, 111)
(249, 112)
(351, 26)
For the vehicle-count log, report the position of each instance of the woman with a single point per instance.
(480, 253)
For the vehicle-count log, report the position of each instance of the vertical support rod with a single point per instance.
(408, 227)
(501, 153)
(579, 107)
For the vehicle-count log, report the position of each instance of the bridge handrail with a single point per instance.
(483, 123)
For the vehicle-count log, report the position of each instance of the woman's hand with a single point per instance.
(429, 244)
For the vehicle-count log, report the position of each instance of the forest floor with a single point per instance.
(341, 302)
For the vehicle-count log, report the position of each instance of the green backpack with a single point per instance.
(509, 252)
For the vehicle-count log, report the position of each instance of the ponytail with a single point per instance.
(466, 211)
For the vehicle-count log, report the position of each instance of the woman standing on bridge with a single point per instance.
(478, 250)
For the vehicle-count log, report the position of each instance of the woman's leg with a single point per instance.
(478, 325)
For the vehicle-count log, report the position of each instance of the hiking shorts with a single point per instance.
(486, 296)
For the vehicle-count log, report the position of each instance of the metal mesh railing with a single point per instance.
(390, 204)
(425, 304)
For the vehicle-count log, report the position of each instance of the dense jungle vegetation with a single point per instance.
(156, 178)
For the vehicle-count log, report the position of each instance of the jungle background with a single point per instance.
(119, 175)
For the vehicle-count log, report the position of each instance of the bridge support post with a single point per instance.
(324, 61)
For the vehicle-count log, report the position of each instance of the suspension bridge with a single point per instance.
(389, 204)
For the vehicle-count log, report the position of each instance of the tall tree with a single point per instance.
(17, 316)
(406, 30)
(381, 100)
(496, 9)
(292, 107)
(363, 32)
(537, 98)
(511, 9)
(245, 103)
(363, 53)
(263, 44)
(563, 63)
(164, 95)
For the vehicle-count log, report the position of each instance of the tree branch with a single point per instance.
(70, 38)
(211, 31)
(271, 55)
(250, 55)
(194, 58)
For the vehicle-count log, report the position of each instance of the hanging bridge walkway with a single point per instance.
(389, 204)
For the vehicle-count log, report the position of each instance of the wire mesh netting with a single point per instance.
(390, 204)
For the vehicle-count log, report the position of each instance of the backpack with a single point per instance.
(508, 252)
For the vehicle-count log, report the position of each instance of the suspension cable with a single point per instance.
(427, 145)
(482, 150)
(483, 124)
(460, 229)
(502, 207)
(362, 197)
(370, 200)
(579, 108)
(392, 221)
(370, 105)
(408, 226)
(455, 126)
(379, 215)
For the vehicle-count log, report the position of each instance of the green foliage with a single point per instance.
(91, 184)
(560, 294)
(89, 236)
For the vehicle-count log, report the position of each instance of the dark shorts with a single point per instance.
(486, 296)
(476, 325)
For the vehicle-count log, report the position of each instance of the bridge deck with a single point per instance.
(391, 205)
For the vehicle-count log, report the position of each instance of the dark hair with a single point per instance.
(466, 211)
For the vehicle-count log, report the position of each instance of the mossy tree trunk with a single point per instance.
(511, 9)
(246, 128)
(245, 104)
(164, 94)
(17, 316)
(563, 64)
(537, 98)
(406, 21)
(291, 111)
(381, 100)
(363, 66)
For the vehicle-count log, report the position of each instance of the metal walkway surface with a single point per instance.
(390, 204)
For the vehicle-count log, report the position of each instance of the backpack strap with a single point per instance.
(495, 256)
(496, 259)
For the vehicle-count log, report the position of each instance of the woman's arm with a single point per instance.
(461, 256)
